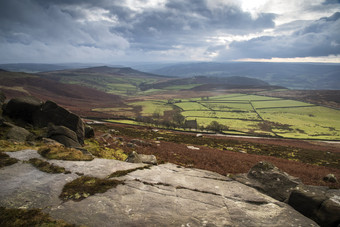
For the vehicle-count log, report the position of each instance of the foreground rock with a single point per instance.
(50, 112)
(22, 108)
(270, 180)
(163, 195)
(63, 135)
(18, 134)
(320, 204)
(32, 111)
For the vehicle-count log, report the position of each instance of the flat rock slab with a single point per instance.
(96, 168)
(24, 186)
(164, 195)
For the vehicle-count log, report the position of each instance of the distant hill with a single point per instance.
(290, 75)
(76, 98)
(209, 83)
(115, 80)
(35, 67)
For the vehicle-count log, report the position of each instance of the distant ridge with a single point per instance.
(212, 82)
(314, 76)
(77, 98)
(113, 70)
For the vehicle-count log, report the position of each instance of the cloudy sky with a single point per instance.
(112, 31)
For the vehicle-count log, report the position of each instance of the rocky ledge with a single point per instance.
(163, 195)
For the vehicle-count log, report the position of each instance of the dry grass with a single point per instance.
(86, 186)
(63, 153)
(28, 217)
(5, 160)
(47, 167)
(8, 146)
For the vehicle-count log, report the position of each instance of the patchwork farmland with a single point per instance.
(249, 115)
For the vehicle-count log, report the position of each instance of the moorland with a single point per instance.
(239, 120)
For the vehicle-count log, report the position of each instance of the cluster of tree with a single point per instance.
(178, 121)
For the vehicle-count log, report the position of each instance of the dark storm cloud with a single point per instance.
(319, 38)
(105, 30)
(187, 22)
(332, 2)
(66, 22)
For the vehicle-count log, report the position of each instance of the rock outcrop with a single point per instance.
(63, 135)
(318, 203)
(34, 112)
(50, 112)
(163, 195)
(89, 132)
(270, 180)
(22, 108)
(18, 134)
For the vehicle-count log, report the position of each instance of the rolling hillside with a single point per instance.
(290, 75)
(77, 98)
(113, 80)
(207, 83)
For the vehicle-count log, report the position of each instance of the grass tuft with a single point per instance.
(28, 217)
(100, 151)
(47, 167)
(5, 160)
(63, 153)
(86, 186)
(121, 173)
(8, 146)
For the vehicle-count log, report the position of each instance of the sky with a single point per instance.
(113, 31)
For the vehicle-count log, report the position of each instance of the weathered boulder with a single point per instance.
(22, 108)
(50, 112)
(317, 205)
(63, 135)
(134, 157)
(270, 180)
(18, 134)
(330, 178)
(89, 132)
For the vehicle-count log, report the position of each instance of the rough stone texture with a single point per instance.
(18, 134)
(50, 112)
(317, 204)
(270, 180)
(164, 195)
(134, 157)
(63, 135)
(22, 108)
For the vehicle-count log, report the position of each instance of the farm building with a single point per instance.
(190, 124)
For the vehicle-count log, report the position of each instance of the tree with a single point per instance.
(216, 127)
(178, 118)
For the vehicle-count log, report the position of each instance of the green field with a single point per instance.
(150, 108)
(255, 115)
